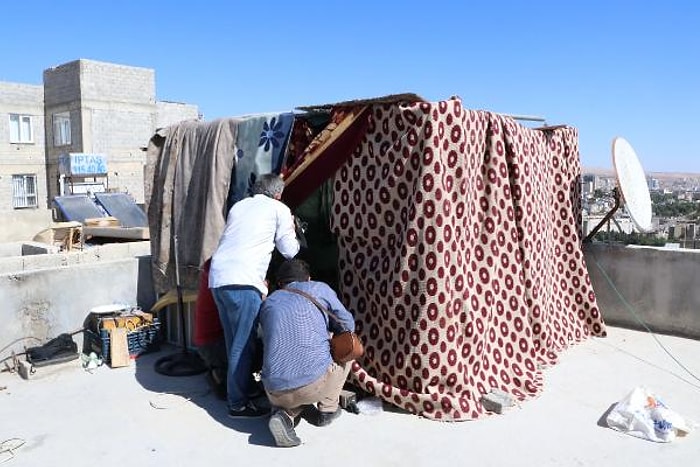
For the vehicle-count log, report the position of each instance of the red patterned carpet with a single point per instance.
(459, 236)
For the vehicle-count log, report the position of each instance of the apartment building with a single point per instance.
(22, 165)
(85, 129)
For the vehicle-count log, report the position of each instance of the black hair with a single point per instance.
(292, 270)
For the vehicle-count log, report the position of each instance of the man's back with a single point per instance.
(296, 336)
(253, 228)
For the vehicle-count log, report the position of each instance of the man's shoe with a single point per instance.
(317, 418)
(325, 418)
(250, 410)
(282, 429)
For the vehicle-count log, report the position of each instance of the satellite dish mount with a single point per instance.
(618, 202)
(631, 189)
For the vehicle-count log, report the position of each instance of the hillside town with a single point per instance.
(675, 200)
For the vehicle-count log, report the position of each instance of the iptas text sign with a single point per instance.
(87, 164)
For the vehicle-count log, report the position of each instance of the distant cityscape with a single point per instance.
(675, 201)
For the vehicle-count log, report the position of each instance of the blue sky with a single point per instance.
(609, 68)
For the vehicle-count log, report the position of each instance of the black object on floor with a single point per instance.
(185, 363)
(58, 350)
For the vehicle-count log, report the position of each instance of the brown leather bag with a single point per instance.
(345, 346)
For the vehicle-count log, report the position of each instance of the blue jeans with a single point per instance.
(238, 309)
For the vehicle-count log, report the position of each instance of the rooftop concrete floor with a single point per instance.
(133, 416)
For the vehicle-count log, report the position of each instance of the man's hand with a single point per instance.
(300, 228)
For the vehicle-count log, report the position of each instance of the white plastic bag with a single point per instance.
(370, 406)
(642, 414)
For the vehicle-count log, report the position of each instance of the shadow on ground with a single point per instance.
(169, 391)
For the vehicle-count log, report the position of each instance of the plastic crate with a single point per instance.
(142, 340)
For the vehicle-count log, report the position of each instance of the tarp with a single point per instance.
(189, 167)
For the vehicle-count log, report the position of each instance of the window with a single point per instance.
(61, 129)
(21, 129)
(24, 191)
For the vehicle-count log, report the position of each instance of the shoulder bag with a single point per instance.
(346, 345)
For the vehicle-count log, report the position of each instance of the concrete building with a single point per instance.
(86, 110)
(653, 184)
(23, 196)
(588, 184)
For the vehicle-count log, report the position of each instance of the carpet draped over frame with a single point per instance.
(460, 255)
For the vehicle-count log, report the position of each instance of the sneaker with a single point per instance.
(282, 430)
(317, 418)
(250, 410)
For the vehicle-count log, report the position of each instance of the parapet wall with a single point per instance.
(46, 295)
(654, 286)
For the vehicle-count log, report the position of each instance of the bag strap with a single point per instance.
(314, 301)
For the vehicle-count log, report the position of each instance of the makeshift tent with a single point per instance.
(458, 238)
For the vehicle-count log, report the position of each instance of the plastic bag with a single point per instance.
(642, 414)
(370, 406)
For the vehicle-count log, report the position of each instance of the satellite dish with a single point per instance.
(632, 183)
(632, 189)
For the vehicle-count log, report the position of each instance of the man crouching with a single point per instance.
(298, 373)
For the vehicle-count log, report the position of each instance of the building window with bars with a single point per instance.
(21, 129)
(24, 191)
(61, 129)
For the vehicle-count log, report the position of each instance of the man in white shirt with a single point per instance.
(255, 226)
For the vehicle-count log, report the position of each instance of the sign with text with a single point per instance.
(82, 164)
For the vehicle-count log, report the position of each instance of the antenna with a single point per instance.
(631, 189)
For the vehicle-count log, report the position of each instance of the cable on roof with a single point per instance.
(18, 340)
(641, 321)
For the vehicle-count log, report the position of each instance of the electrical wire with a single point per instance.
(18, 340)
(73, 333)
(641, 321)
(3, 360)
(14, 355)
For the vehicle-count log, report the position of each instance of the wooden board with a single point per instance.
(119, 348)
(130, 233)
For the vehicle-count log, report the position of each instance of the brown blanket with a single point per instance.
(190, 165)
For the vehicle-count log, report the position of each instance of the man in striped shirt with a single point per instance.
(298, 372)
